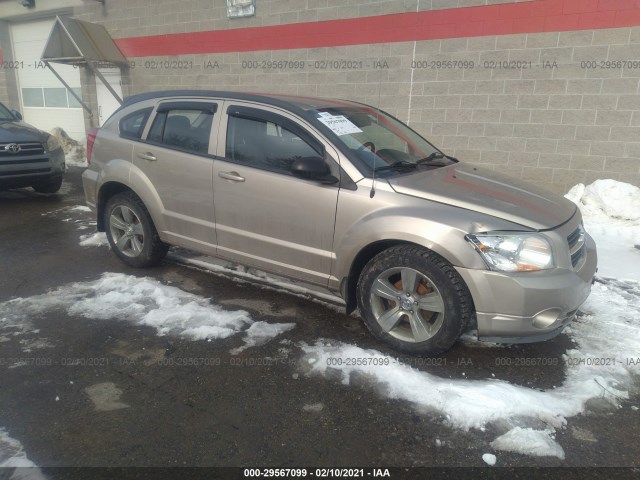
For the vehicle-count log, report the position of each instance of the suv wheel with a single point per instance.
(414, 300)
(49, 187)
(131, 232)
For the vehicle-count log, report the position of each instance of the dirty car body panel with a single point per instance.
(520, 251)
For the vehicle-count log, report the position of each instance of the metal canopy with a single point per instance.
(74, 42)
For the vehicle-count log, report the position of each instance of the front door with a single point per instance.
(266, 217)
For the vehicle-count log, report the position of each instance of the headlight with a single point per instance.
(509, 252)
(53, 144)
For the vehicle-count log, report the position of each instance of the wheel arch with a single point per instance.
(349, 284)
(141, 186)
(108, 190)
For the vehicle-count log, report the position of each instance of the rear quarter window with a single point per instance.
(132, 125)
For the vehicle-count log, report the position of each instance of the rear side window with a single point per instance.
(132, 125)
(183, 129)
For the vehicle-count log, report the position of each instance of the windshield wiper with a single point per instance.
(431, 157)
(399, 165)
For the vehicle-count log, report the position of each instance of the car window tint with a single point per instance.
(132, 125)
(264, 144)
(183, 129)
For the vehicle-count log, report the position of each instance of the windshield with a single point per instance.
(5, 114)
(376, 140)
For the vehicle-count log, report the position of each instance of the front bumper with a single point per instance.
(529, 306)
(28, 170)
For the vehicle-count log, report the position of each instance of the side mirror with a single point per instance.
(17, 114)
(312, 168)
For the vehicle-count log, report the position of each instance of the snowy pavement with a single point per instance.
(597, 371)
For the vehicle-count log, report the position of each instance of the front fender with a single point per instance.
(390, 218)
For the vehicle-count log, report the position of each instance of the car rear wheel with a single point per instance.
(414, 300)
(49, 187)
(131, 232)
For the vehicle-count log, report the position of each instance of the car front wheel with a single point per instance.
(131, 232)
(414, 300)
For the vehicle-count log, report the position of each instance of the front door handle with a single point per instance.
(233, 176)
(147, 156)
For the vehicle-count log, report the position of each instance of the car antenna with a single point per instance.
(373, 182)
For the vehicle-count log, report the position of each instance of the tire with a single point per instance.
(49, 187)
(394, 315)
(131, 233)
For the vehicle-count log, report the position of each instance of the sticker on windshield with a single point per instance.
(339, 124)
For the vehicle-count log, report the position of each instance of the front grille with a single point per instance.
(577, 247)
(25, 149)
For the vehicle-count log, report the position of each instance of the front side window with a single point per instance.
(265, 144)
(184, 129)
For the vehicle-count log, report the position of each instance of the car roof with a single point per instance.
(294, 103)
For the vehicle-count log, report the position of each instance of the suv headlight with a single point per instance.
(514, 252)
(53, 144)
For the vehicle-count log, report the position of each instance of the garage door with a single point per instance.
(45, 103)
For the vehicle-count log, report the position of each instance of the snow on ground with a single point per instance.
(528, 441)
(489, 459)
(601, 366)
(83, 223)
(142, 301)
(97, 239)
(611, 213)
(12, 455)
(260, 333)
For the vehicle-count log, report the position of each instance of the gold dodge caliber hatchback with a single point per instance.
(342, 195)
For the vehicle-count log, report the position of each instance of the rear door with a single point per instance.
(265, 216)
(177, 157)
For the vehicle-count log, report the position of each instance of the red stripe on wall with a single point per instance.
(511, 18)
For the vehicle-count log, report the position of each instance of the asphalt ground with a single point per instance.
(243, 411)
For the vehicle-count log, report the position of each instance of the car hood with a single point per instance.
(20, 132)
(485, 191)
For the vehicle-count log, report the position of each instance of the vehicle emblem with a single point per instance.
(12, 148)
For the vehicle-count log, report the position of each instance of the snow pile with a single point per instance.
(604, 200)
(12, 455)
(75, 152)
(611, 212)
(142, 301)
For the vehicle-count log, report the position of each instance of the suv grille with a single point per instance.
(577, 247)
(26, 149)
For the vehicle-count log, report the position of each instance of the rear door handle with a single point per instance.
(233, 176)
(147, 156)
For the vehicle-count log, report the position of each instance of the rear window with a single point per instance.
(132, 125)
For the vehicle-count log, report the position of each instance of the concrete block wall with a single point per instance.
(556, 108)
